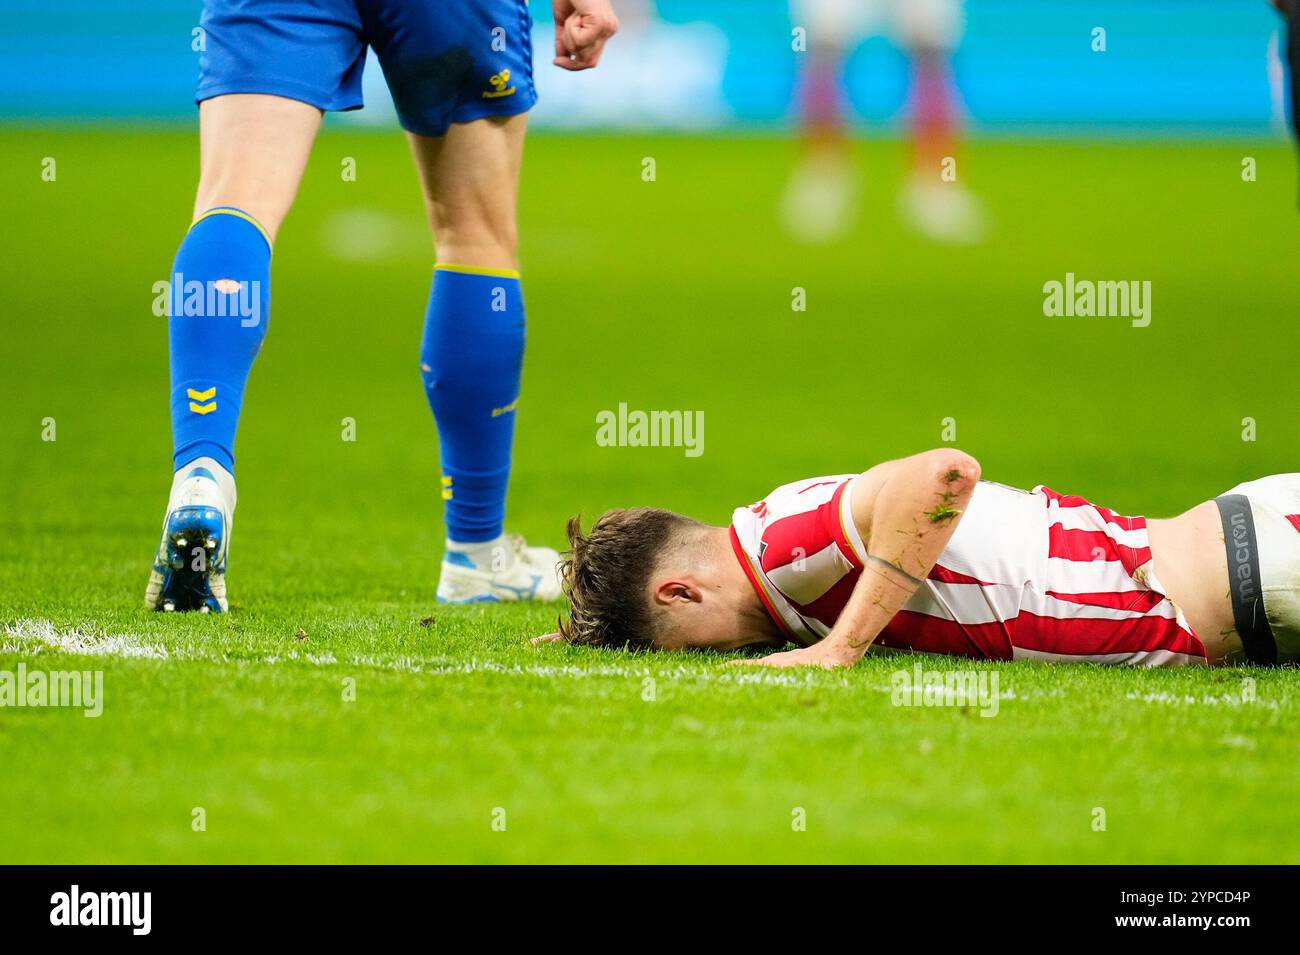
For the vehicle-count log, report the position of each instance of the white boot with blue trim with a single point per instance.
(502, 570)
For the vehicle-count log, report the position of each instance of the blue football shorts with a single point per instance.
(445, 61)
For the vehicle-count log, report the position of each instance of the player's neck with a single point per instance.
(752, 623)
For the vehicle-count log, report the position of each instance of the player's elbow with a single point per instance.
(955, 472)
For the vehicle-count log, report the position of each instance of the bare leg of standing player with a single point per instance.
(253, 150)
(472, 355)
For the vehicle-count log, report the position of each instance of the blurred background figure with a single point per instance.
(821, 200)
(1290, 55)
(1290, 10)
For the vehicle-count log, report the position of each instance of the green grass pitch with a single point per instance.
(672, 294)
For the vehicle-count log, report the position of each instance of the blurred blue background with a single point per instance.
(1171, 67)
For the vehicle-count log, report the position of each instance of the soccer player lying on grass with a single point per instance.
(920, 554)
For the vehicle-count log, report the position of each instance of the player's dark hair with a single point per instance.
(606, 573)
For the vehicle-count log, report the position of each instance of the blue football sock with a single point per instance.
(220, 306)
(471, 359)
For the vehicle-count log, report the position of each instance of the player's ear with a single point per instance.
(672, 590)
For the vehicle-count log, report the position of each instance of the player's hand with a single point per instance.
(826, 655)
(581, 29)
(546, 638)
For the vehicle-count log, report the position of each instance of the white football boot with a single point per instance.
(189, 572)
(820, 202)
(498, 571)
(943, 211)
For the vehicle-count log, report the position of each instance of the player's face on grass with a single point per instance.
(695, 611)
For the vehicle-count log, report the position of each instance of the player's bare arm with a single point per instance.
(906, 512)
(582, 27)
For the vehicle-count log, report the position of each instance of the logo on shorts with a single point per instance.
(1245, 569)
(500, 86)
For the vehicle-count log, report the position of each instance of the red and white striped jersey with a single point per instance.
(1027, 575)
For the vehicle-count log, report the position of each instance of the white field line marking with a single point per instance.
(28, 635)
(1204, 699)
(23, 634)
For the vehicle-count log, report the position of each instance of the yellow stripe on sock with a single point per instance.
(477, 270)
(238, 215)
